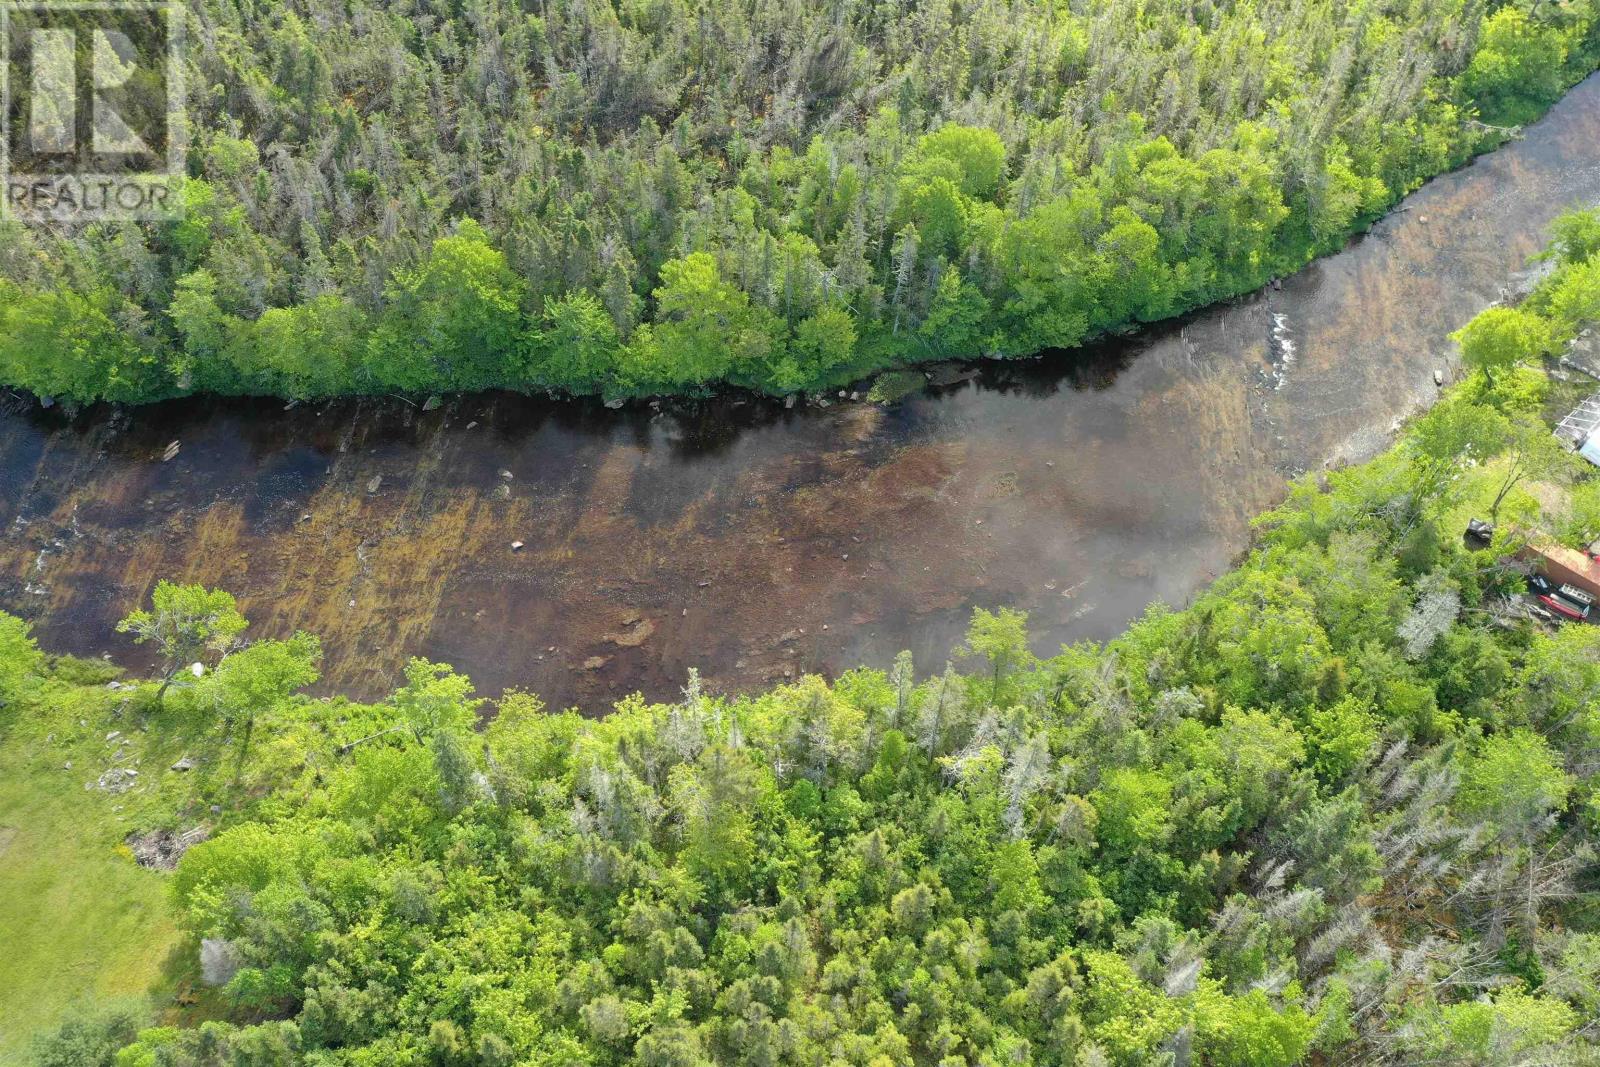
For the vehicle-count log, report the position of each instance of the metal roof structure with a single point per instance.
(1581, 424)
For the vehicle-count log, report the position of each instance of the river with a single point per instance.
(754, 541)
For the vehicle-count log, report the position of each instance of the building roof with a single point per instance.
(1579, 428)
(1590, 449)
(1566, 565)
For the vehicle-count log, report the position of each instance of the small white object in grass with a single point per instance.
(197, 669)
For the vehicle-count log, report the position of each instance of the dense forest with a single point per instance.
(634, 198)
(1339, 810)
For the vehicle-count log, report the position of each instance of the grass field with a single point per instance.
(78, 917)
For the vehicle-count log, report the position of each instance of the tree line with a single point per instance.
(627, 199)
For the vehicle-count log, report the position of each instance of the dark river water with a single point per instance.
(754, 541)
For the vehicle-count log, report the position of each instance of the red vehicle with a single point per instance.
(1566, 600)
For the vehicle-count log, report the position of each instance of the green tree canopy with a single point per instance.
(185, 623)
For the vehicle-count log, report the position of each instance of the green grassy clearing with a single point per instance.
(78, 917)
(80, 920)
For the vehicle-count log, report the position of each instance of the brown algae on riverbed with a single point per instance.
(750, 540)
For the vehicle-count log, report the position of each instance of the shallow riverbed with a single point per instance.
(755, 541)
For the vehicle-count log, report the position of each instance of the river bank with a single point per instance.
(754, 541)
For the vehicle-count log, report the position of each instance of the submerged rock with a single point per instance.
(895, 385)
(638, 633)
(946, 374)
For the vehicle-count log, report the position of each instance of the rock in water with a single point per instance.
(895, 385)
(638, 633)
